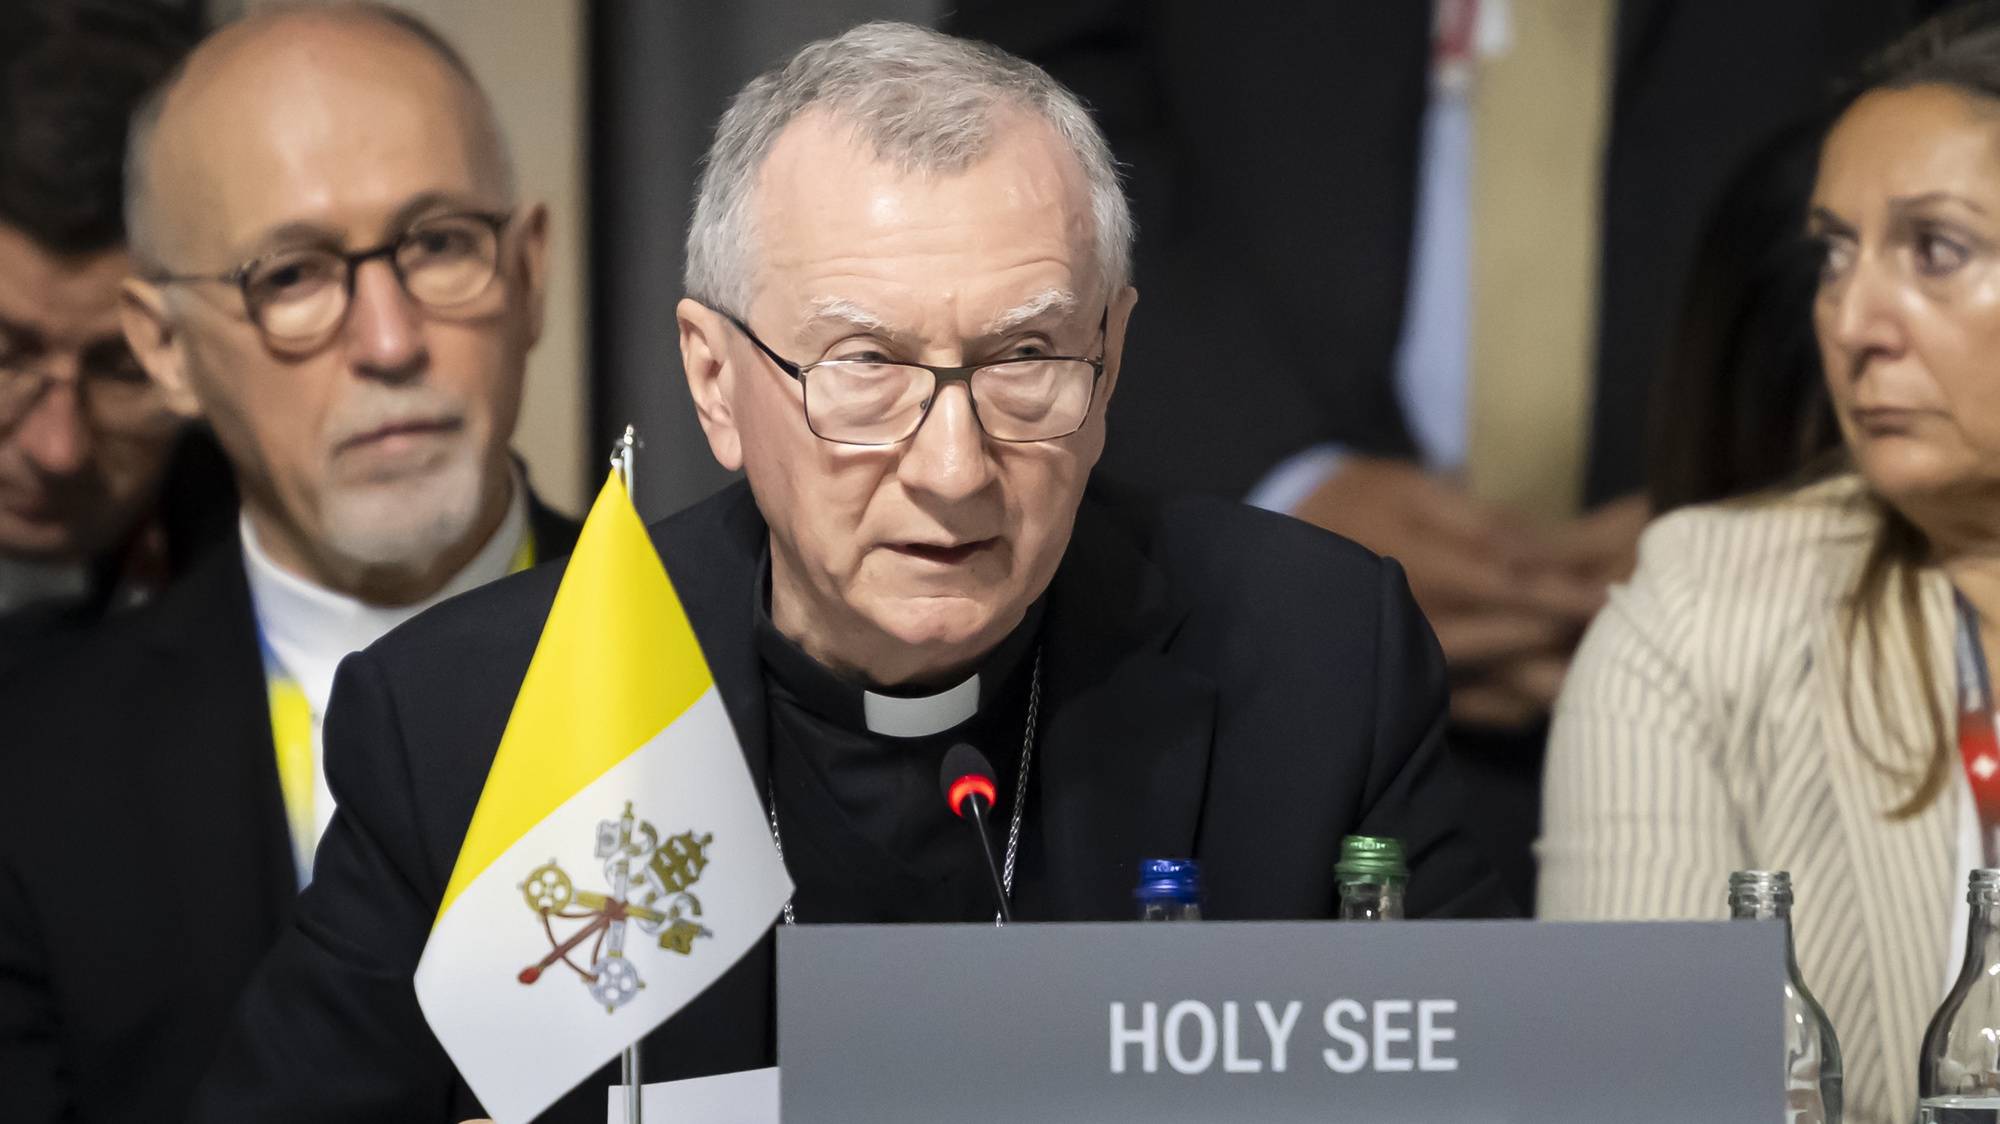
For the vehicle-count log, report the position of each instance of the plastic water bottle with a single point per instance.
(1169, 890)
(1372, 876)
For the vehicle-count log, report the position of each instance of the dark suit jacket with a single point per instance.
(145, 864)
(1218, 682)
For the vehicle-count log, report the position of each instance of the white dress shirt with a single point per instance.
(309, 629)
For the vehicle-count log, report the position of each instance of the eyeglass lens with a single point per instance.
(442, 262)
(117, 395)
(867, 403)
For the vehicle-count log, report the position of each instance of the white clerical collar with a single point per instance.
(310, 628)
(899, 716)
(852, 706)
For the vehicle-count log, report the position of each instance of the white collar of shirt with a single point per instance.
(902, 716)
(310, 628)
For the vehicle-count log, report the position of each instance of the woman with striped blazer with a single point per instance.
(1778, 685)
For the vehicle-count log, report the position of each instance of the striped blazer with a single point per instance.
(1705, 728)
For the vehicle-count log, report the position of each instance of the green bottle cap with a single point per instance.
(1371, 858)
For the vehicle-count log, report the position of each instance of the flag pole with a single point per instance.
(628, 1062)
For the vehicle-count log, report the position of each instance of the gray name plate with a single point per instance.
(1490, 1022)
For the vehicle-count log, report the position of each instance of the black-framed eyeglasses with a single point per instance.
(301, 296)
(875, 401)
(116, 394)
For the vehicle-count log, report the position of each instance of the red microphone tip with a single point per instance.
(966, 786)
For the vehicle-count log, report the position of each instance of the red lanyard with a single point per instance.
(1977, 745)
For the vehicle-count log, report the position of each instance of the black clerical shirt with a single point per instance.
(866, 832)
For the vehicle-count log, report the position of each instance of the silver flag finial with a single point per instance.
(621, 457)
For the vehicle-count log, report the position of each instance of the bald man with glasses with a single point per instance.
(330, 268)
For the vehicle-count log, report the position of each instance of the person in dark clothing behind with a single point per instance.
(86, 440)
(1277, 158)
(1740, 405)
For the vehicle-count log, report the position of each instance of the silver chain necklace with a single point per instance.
(1014, 821)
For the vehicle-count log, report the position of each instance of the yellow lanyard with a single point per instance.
(292, 734)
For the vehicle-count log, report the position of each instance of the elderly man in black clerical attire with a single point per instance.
(907, 279)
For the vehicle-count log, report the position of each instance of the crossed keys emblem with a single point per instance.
(649, 887)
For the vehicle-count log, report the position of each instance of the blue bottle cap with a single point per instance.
(1170, 879)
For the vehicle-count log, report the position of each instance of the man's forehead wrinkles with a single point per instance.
(909, 313)
(55, 303)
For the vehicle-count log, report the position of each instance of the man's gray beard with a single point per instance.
(405, 525)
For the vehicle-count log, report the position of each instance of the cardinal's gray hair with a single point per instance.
(923, 100)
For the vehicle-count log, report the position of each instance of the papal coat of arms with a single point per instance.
(649, 880)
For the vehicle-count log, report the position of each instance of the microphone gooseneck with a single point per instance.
(967, 780)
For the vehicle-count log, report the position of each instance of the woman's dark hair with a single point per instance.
(71, 73)
(1741, 403)
(1958, 50)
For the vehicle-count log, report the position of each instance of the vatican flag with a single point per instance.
(618, 861)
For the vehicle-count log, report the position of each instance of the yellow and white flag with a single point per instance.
(618, 861)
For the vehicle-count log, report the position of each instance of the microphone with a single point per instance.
(967, 780)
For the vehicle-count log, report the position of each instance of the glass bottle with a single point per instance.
(1812, 1052)
(1372, 875)
(1169, 890)
(1958, 1072)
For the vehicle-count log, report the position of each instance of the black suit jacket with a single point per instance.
(145, 863)
(1218, 682)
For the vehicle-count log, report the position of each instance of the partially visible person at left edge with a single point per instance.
(908, 291)
(334, 271)
(97, 509)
